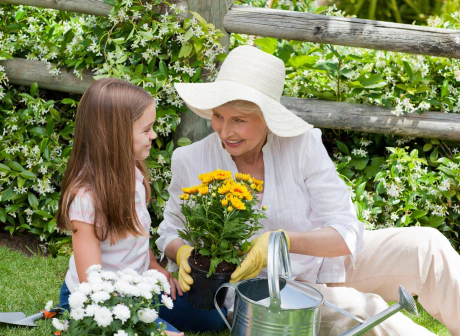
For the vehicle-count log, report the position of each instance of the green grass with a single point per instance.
(28, 283)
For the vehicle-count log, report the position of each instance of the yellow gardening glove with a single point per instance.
(185, 280)
(256, 258)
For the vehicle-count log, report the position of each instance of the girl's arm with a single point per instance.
(171, 279)
(86, 248)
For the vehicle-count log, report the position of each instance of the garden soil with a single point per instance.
(26, 243)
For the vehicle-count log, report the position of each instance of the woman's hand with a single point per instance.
(173, 333)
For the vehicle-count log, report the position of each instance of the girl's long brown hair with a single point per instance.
(102, 159)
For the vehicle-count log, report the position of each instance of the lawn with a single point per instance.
(28, 283)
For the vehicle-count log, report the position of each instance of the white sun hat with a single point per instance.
(247, 74)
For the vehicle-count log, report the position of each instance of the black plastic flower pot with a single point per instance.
(201, 294)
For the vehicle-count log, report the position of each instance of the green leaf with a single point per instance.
(52, 225)
(267, 44)
(2, 215)
(188, 35)
(33, 201)
(27, 174)
(15, 166)
(298, 61)
(184, 142)
(110, 2)
(33, 89)
(418, 213)
(4, 168)
(163, 69)
(427, 147)
(44, 213)
(359, 163)
(343, 148)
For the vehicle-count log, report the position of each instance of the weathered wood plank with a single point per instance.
(374, 119)
(343, 31)
(25, 72)
(320, 113)
(93, 7)
(192, 126)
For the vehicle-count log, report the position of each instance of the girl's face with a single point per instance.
(143, 133)
(241, 133)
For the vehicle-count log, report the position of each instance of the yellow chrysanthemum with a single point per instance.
(258, 182)
(248, 197)
(204, 190)
(191, 190)
(244, 177)
(230, 209)
(237, 203)
(259, 187)
(222, 175)
(225, 188)
(253, 186)
(184, 197)
(239, 190)
(206, 178)
(224, 202)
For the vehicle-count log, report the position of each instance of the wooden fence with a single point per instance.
(292, 26)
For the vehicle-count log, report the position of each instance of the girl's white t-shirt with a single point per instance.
(131, 252)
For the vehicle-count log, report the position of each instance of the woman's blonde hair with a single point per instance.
(244, 106)
(102, 159)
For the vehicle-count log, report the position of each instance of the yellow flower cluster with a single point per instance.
(233, 193)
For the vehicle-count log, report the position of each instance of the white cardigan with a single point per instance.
(301, 190)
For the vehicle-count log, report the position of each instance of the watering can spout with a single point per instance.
(405, 302)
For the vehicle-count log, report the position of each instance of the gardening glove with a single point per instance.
(256, 258)
(185, 280)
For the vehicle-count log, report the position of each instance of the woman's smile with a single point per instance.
(233, 143)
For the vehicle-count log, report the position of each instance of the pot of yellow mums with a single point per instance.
(220, 215)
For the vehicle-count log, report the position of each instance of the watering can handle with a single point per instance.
(277, 246)
(229, 285)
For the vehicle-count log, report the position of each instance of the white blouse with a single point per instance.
(131, 252)
(301, 190)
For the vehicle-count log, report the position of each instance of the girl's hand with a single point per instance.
(172, 281)
(173, 333)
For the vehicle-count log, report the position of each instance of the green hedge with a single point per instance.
(395, 181)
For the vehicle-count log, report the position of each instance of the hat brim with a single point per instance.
(201, 98)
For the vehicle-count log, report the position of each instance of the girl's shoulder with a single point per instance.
(82, 206)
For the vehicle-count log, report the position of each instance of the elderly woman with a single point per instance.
(356, 270)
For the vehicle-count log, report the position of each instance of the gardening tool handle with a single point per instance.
(228, 285)
(277, 246)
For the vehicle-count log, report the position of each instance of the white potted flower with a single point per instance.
(122, 303)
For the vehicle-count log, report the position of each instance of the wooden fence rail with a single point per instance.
(370, 34)
(287, 25)
(92, 7)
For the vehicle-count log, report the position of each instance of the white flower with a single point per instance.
(103, 317)
(84, 288)
(121, 312)
(49, 305)
(147, 315)
(94, 268)
(121, 333)
(95, 278)
(167, 301)
(76, 300)
(91, 309)
(109, 276)
(77, 313)
(100, 297)
(145, 290)
(61, 326)
(121, 286)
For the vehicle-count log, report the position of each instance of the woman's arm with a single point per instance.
(86, 248)
(172, 248)
(326, 242)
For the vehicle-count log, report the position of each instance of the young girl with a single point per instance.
(104, 192)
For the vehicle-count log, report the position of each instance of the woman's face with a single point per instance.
(241, 133)
(143, 133)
